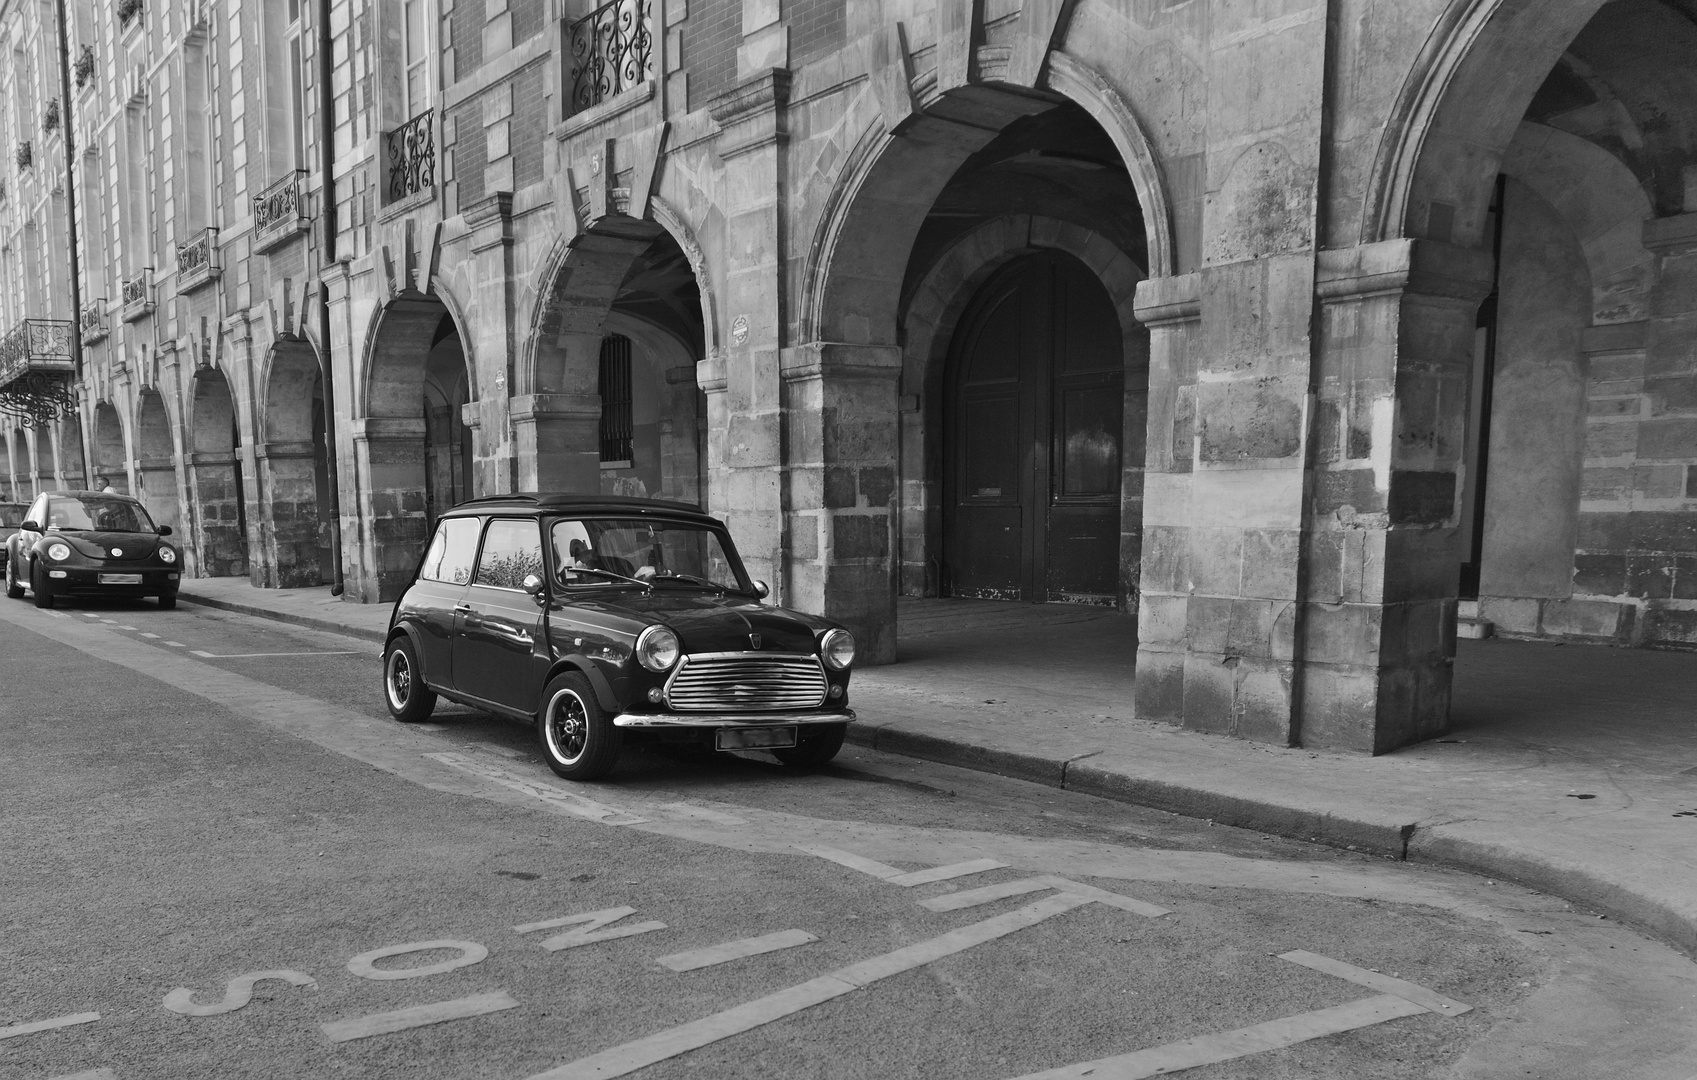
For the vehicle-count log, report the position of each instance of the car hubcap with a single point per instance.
(568, 726)
(400, 679)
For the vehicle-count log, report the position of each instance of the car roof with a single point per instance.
(570, 502)
(77, 493)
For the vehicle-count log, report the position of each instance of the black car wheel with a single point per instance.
(408, 698)
(578, 737)
(817, 744)
(14, 587)
(38, 585)
(167, 601)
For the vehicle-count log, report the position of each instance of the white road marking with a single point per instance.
(589, 932)
(48, 1025)
(363, 965)
(126, 628)
(1430, 1000)
(702, 813)
(564, 800)
(1103, 896)
(110, 622)
(631, 1056)
(251, 655)
(852, 861)
(734, 950)
(176, 645)
(1228, 1045)
(90, 1074)
(237, 993)
(90, 615)
(973, 897)
(944, 873)
(144, 633)
(363, 1027)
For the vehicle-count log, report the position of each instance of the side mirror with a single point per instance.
(30, 526)
(532, 584)
(761, 589)
(164, 530)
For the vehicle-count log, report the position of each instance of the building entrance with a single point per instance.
(1033, 427)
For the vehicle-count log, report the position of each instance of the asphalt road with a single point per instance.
(189, 797)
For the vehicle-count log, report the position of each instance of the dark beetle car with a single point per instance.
(596, 617)
(91, 543)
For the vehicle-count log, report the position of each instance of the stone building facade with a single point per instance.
(1281, 325)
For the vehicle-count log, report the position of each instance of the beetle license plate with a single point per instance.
(755, 738)
(120, 579)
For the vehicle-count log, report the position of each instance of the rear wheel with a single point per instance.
(815, 745)
(578, 737)
(38, 585)
(14, 587)
(409, 700)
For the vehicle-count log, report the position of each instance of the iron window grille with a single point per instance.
(26, 155)
(50, 116)
(85, 66)
(612, 51)
(411, 153)
(614, 386)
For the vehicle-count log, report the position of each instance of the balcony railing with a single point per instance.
(85, 66)
(50, 116)
(138, 296)
(197, 260)
(91, 321)
(26, 155)
(612, 51)
(128, 10)
(35, 347)
(411, 157)
(279, 212)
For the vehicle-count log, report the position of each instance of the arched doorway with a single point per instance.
(447, 438)
(294, 472)
(156, 464)
(109, 455)
(1033, 431)
(220, 505)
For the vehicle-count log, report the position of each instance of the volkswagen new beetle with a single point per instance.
(597, 618)
(90, 543)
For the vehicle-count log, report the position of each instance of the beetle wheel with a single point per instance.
(14, 587)
(38, 585)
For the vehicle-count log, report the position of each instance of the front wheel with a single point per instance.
(38, 585)
(816, 745)
(578, 737)
(14, 587)
(167, 601)
(409, 700)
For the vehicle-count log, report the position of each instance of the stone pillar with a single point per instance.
(842, 436)
(158, 483)
(557, 442)
(1383, 550)
(393, 514)
(289, 519)
(744, 391)
(222, 547)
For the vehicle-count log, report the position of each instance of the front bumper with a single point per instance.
(86, 580)
(726, 720)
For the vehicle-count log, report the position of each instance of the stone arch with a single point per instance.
(293, 465)
(156, 460)
(110, 456)
(216, 481)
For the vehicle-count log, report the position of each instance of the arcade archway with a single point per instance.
(216, 478)
(110, 458)
(156, 461)
(293, 462)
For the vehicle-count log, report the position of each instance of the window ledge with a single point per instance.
(606, 110)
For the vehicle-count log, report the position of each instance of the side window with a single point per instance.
(512, 550)
(38, 512)
(451, 552)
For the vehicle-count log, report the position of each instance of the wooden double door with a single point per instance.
(1033, 428)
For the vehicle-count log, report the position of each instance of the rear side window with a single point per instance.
(451, 552)
(512, 550)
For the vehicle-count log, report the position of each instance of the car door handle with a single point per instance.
(462, 607)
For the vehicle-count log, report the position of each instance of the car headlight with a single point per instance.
(657, 649)
(58, 552)
(837, 648)
(166, 554)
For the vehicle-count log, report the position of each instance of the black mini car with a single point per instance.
(91, 543)
(599, 617)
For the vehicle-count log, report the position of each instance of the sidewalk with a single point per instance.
(1571, 769)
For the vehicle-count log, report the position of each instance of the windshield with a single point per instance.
(666, 554)
(97, 513)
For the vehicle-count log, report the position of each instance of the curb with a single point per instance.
(308, 621)
(1409, 842)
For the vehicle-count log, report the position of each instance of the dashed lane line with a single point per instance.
(176, 645)
(145, 634)
(89, 1074)
(251, 655)
(48, 1025)
(944, 873)
(734, 950)
(629, 1057)
(384, 1023)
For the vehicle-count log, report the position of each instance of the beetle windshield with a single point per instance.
(598, 551)
(97, 513)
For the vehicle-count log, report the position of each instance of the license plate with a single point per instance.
(120, 579)
(758, 738)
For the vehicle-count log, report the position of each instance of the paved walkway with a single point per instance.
(1571, 769)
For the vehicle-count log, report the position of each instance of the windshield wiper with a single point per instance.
(609, 573)
(690, 579)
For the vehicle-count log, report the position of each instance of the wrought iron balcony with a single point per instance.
(138, 296)
(35, 346)
(197, 260)
(91, 321)
(50, 116)
(85, 66)
(410, 152)
(279, 212)
(26, 154)
(612, 51)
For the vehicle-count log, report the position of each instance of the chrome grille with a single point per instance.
(746, 682)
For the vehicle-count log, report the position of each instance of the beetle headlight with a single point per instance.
(166, 554)
(657, 649)
(837, 648)
(58, 552)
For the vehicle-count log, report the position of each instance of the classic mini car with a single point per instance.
(599, 618)
(90, 543)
